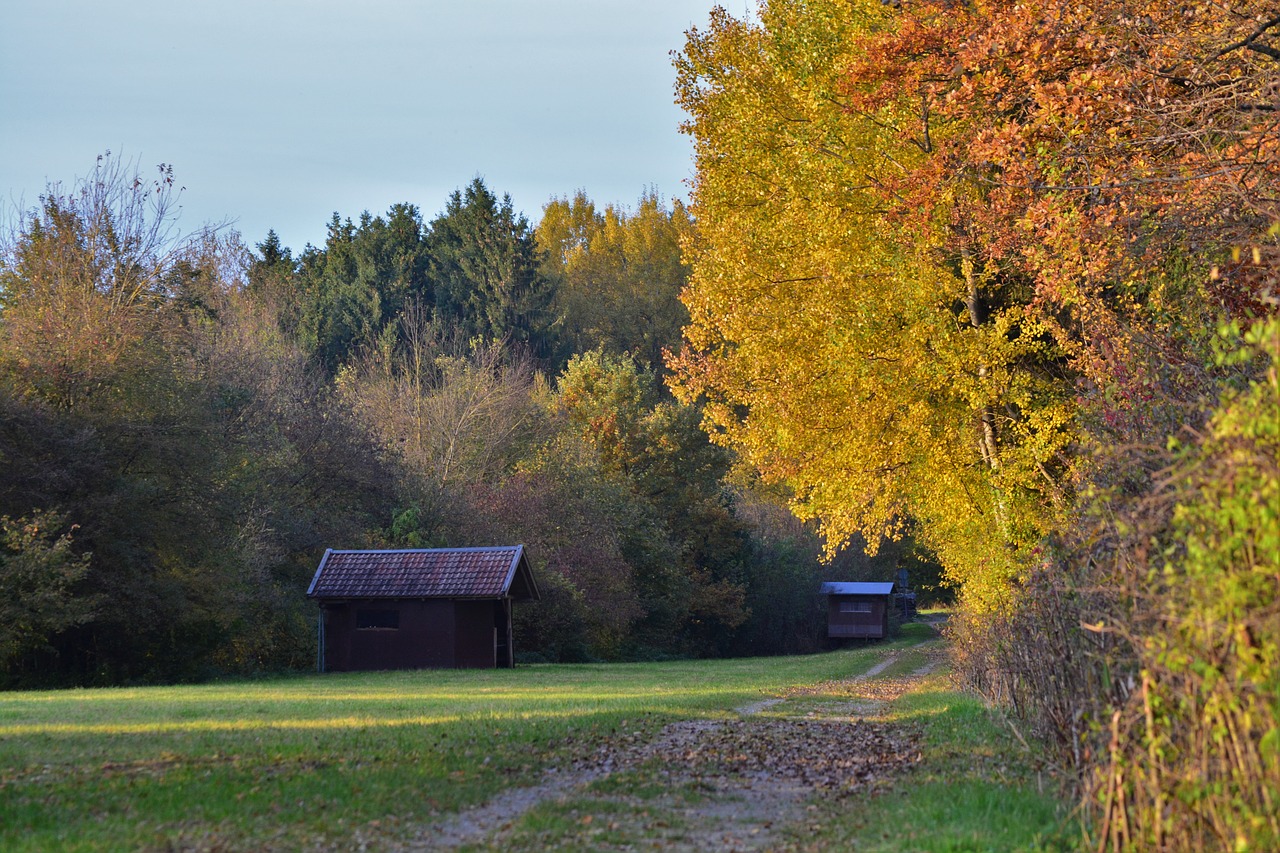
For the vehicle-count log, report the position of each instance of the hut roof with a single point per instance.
(425, 573)
(831, 588)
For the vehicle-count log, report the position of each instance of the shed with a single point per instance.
(858, 609)
(419, 608)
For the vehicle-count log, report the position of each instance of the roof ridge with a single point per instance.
(423, 550)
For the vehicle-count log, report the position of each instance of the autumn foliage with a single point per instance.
(965, 265)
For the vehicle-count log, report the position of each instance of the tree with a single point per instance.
(94, 280)
(273, 280)
(1045, 209)
(81, 278)
(293, 472)
(1108, 155)
(190, 444)
(653, 446)
(619, 274)
(447, 420)
(38, 571)
(572, 521)
(353, 290)
(484, 266)
(836, 350)
(273, 264)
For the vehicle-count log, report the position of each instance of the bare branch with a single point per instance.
(1249, 42)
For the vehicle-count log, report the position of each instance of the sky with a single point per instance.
(277, 113)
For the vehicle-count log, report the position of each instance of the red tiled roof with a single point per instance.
(419, 573)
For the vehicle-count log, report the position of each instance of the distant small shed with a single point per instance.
(858, 609)
(419, 608)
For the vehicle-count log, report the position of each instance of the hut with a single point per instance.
(858, 609)
(419, 608)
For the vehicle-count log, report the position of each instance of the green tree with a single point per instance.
(96, 282)
(654, 445)
(196, 451)
(274, 262)
(354, 288)
(484, 267)
(38, 570)
(273, 281)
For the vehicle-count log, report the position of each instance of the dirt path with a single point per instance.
(710, 784)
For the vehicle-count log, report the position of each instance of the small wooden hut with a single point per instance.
(420, 608)
(858, 610)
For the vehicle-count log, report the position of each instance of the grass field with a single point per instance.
(337, 760)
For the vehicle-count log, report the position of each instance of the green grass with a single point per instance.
(975, 790)
(322, 760)
(339, 760)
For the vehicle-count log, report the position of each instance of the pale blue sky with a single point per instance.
(276, 113)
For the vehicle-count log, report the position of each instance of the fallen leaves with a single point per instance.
(840, 757)
(764, 779)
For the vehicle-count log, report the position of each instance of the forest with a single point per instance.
(187, 423)
(988, 290)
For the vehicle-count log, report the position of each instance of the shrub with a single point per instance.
(1145, 649)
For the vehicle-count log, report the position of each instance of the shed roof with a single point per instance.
(425, 573)
(831, 588)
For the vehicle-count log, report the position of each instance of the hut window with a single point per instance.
(377, 620)
(855, 607)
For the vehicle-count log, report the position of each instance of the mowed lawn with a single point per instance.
(328, 760)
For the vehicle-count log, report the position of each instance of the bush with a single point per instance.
(1145, 649)
(1195, 754)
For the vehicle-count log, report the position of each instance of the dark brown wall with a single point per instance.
(874, 624)
(433, 633)
(474, 637)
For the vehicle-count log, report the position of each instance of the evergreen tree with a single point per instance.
(484, 267)
(356, 287)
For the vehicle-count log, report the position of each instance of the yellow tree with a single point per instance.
(878, 374)
(619, 274)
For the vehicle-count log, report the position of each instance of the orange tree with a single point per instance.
(1109, 154)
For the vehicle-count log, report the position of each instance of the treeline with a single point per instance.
(186, 424)
(1009, 270)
